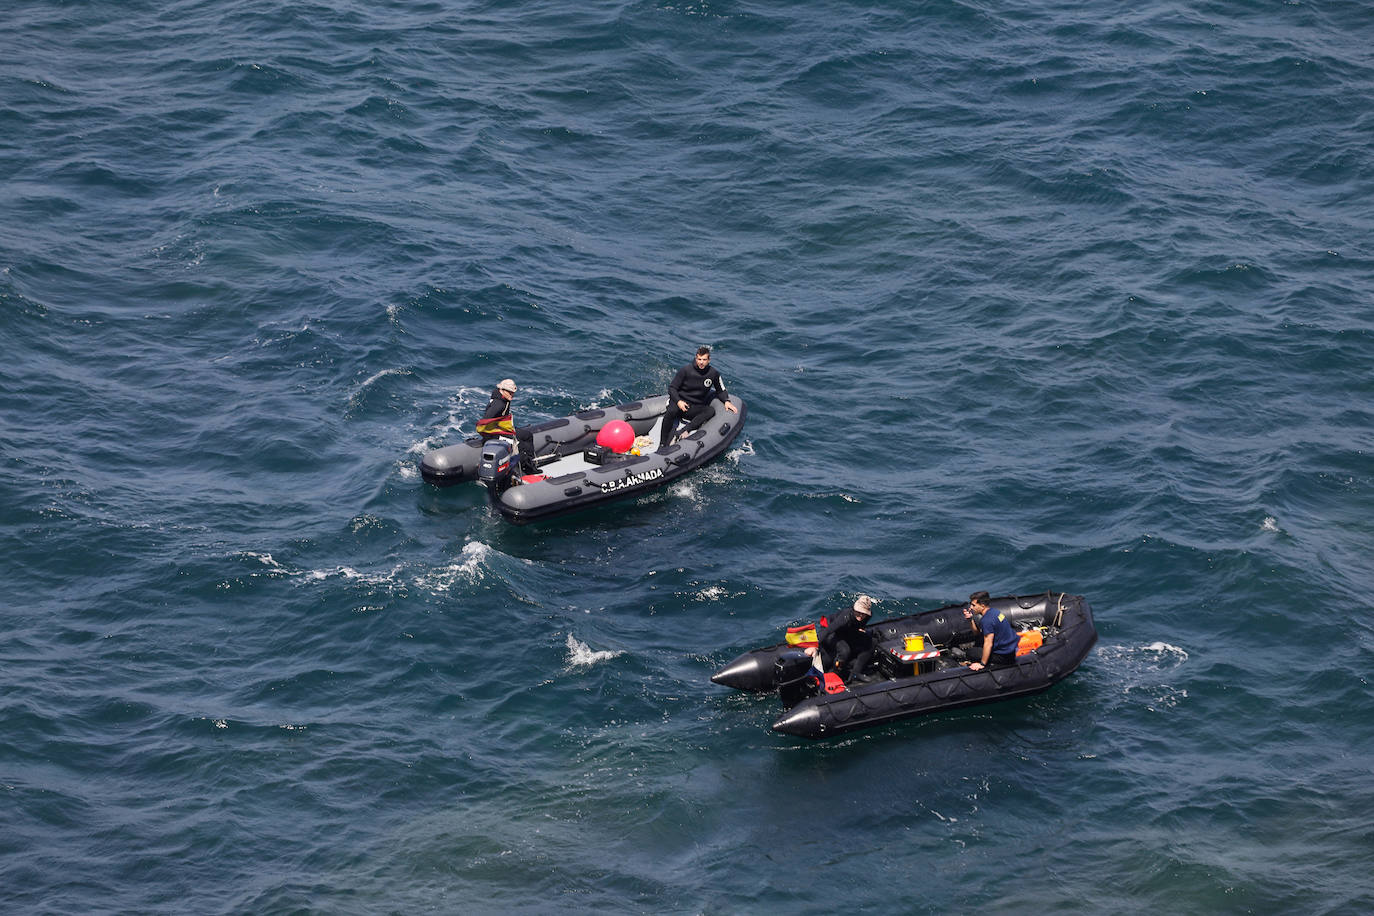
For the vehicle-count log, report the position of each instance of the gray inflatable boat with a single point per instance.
(576, 473)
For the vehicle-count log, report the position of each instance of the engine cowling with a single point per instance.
(796, 680)
(498, 466)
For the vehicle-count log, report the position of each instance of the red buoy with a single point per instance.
(617, 435)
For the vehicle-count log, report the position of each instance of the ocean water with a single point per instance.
(1023, 296)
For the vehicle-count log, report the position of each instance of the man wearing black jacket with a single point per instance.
(690, 395)
(845, 646)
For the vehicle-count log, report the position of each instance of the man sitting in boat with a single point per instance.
(690, 394)
(999, 639)
(845, 646)
(499, 423)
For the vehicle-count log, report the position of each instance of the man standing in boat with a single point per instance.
(690, 394)
(999, 639)
(499, 423)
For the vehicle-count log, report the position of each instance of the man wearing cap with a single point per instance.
(690, 394)
(845, 646)
(497, 423)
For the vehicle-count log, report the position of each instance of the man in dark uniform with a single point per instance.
(999, 638)
(690, 395)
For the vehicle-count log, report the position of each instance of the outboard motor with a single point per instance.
(498, 465)
(796, 680)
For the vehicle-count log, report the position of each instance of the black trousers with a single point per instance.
(526, 450)
(527, 465)
(852, 656)
(696, 415)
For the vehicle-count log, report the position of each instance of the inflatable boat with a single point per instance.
(918, 666)
(575, 472)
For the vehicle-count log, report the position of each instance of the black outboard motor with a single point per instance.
(796, 680)
(498, 466)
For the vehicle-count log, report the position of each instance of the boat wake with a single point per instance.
(474, 563)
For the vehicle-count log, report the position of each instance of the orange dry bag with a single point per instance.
(1030, 641)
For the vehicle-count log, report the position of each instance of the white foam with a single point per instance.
(320, 575)
(383, 374)
(1156, 654)
(427, 444)
(740, 451)
(1269, 524)
(462, 407)
(1143, 673)
(353, 575)
(1156, 697)
(581, 655)
(468, 569)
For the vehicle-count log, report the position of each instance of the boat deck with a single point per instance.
(577, 462)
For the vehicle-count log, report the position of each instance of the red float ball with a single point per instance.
(617, 435)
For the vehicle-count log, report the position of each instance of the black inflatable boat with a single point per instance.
(575, 472)
(918, 668)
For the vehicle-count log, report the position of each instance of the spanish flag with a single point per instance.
(496, 426)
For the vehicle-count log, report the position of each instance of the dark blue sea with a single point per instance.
(1022, 296)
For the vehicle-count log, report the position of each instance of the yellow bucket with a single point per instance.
(915, 644)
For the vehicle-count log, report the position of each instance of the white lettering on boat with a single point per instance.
(631, 480)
